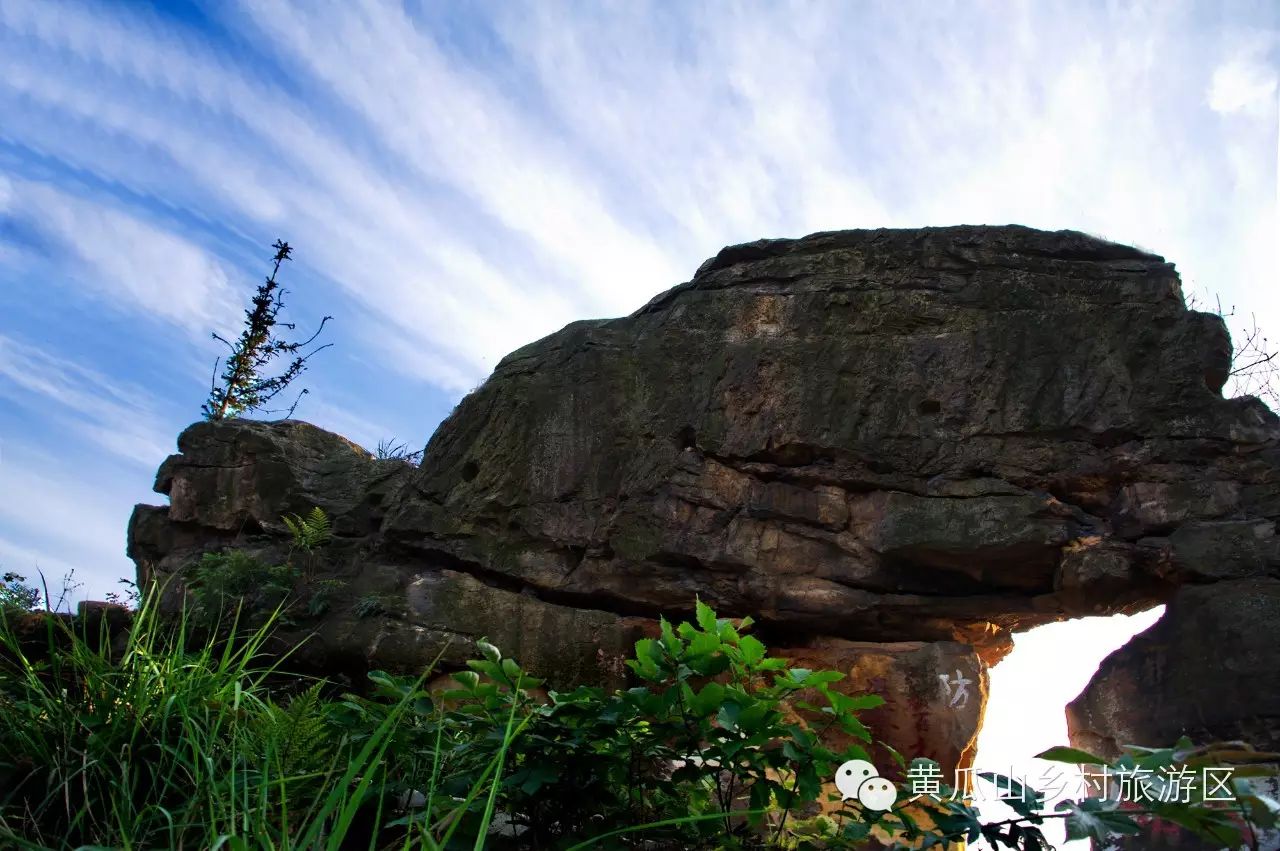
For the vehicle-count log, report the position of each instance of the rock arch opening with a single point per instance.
(1028, 692)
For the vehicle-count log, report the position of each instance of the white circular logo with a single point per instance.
(858, 779)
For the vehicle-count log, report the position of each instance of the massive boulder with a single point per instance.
(923, 439)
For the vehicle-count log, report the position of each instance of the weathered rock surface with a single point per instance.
(1207, 669)
(934, 436)
(878, 435)
(935, 694)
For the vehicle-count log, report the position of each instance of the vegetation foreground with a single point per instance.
(179, 739)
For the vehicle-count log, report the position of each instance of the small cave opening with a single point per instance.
(1025, 713)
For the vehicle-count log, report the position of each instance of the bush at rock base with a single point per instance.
(16, 595)
(173, 745)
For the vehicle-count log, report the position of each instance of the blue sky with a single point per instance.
(458, 179)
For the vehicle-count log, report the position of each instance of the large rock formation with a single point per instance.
(925, 439)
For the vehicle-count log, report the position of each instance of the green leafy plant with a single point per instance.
(176, 743)
(245, 386)
(16, 595)
(703, 753)
(295, 737)
(223, 583)
(311, 532)
(1168, 784)
(370, 605)
(148, 748)
(206, 744)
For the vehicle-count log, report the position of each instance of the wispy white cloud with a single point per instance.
(114, 414)
(236, 145)
(471, 210)
(450, 124)
(54, 518)
(1245, 82)
(122, 261)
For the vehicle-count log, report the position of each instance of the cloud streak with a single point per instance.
(114, 415)
(121, 261)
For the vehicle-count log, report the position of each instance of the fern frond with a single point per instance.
(294, 739)
(295, 525)
(318, 527)
(311, 531)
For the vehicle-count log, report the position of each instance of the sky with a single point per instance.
(458, 179)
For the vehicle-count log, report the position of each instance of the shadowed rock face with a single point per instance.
(936, 436)
(1207, 669)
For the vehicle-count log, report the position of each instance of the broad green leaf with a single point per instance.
(1022, 798)
(488, 651)
(752, 650)
(1263, 809)
(511, 669)
(852, 703)
(727, 717)
(854, 727)
(1217, 826)
(669, 640)
(855, 830)
(706, 617)
(709, 665)
(820, 678)
(1093, 818)
(1071, 756)
(709, 700)
(704, 644)
(759, 800)
(491, 670)
(469, 679)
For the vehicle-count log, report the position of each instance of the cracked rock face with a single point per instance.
(878, 435)
(936, 436)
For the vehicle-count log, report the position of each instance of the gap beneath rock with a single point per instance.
(1029, 690)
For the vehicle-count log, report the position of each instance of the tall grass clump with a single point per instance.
(166, 743)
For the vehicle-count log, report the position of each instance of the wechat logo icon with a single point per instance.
(858, 779)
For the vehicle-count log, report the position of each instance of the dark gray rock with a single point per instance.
(879, 435)
(1207, 669)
